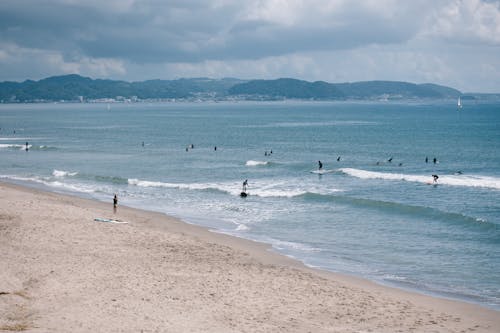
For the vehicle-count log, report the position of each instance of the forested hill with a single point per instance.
(292, 88)
(77, 88)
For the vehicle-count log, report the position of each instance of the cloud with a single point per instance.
(42, 63)
(467, 21)
(331, 40)
(158, 31)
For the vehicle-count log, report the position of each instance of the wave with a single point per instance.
(232, 188)
(89, 177)
(55, 184)
(256, 163)
(401, 208)
(14, 146)
(44, 148)
(452, 180)
(322, 172)
(61, 173)
(106, 179)
(147, 183)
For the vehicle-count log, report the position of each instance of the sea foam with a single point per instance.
(256, 163)
(453, 180)
(62, 173)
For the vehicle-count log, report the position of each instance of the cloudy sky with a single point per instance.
(450, 42)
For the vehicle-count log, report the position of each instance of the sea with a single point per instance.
(373, 211)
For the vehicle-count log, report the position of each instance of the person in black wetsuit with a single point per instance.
(435, 178)
(320, 165)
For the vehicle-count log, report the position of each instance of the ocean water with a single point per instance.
(364, 216)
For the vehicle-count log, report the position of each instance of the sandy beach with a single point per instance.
(62, 271)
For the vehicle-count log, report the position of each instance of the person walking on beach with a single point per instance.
(115, 203)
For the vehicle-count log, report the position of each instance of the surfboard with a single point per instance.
(100, 219)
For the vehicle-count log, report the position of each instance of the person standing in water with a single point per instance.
(245, 184)
(115, 203)
(320, 165)
(435, 178)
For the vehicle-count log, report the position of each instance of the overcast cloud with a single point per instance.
(450, 42)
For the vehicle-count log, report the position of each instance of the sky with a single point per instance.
(450, 42)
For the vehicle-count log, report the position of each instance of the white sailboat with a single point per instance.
(459, 103)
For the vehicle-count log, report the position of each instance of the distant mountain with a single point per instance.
(291, 88)
(77, 88)
(287, 88)
(74, 88)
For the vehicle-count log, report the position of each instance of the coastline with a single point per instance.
(63, 271)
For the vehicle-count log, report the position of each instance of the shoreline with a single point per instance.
(67, 272)
(195, 221)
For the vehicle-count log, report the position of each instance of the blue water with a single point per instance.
(365, 216)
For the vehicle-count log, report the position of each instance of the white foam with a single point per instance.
(15, 139)
(71, 187)
(284, 245)
(147, 183)
(62, 173)
(242, 227)
(10, 145)
(256, 163)
(255, 189)
(322, 172)
(453, 180)
(284, 193)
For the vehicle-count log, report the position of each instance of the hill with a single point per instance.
(291, 88)
(77, 88)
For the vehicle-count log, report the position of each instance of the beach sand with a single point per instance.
(61, 271)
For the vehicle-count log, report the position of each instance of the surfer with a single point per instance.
(215, 148)
(243, 193)
(27, 146)
(338, 159)
(426, 159)
(435, 178)
(435, 160)
(115, 203)
(320, 165)
(389, 160)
